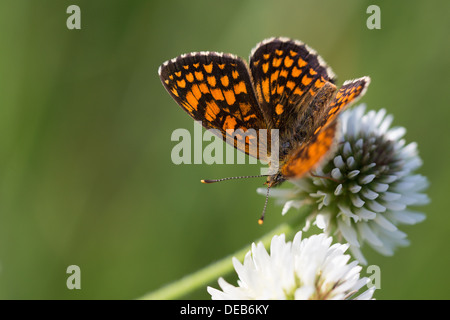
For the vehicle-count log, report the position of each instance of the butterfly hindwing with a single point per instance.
(287, 74)
(311, 154)
(216, 89)
(308, 156)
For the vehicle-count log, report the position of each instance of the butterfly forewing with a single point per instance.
(348, 94)
(216, 89)
(287, 74)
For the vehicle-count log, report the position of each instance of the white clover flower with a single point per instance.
(371, 188)
(311, 268)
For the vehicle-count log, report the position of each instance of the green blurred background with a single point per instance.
(86, 176)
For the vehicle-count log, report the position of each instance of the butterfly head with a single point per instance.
(274, 180)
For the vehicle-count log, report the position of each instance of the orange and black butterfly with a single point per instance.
(286, 86)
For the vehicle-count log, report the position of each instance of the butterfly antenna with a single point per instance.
(261, 220)
(231, 178)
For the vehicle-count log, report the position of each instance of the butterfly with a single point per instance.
(286, 86)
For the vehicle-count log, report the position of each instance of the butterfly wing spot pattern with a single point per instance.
(286, 86)
(216, 89)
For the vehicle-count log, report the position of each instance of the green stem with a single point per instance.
(189, 283)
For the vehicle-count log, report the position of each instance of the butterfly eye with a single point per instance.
(286, 145)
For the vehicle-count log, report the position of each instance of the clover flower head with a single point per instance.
(369, 188)
(310, 268)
